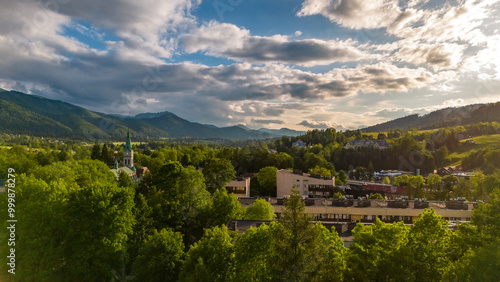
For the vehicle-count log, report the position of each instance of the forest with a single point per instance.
(76, 221)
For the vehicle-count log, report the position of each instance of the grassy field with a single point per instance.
(5, 147)
(485, 141)
(121, 143)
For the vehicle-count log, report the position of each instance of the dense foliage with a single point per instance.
(77, 221)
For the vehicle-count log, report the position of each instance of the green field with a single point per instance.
(5, 147)
(484, 141)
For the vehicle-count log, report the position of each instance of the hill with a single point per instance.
(442, 118)
(30, 114)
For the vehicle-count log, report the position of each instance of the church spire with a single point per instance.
(128, 144)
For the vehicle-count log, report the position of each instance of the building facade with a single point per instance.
(240, 187)
(128, 153)
(309, 186)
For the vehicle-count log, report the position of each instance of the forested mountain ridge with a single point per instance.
(34, 115)
(443, 118)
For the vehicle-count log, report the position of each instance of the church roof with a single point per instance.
(128, 144)
(127, 170)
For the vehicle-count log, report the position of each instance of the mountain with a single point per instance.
(443, 118)
(30, 114)
(283, 132)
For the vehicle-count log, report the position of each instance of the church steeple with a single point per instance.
(128, 153)
(128, 145)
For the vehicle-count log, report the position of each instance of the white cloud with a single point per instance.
(230, 41)
(355, 14)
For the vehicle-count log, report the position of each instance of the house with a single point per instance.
(299, 143)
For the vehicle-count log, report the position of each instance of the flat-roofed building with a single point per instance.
(367, 211)
(240, 187)
(309, 186)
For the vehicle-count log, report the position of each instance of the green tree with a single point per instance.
(175, 193)
(67, 228)
(434, 184)
(259, 210)
(224, 207)
(341, 178)
(143, 226)
(427, 251)
(330, 255)
(376, 196)
(218, 173)
(294, 242)
(210, 259)
(253, 254)
(160, 258)
(386, 180)
(375, 254)
(124, 180)
(267, 180)
(477, 181)
(96, 152)
(321, 171)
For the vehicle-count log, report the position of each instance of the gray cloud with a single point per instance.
(226, 40)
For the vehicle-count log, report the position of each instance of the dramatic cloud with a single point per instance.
(354, 13)
(127, 57)
(227, 40)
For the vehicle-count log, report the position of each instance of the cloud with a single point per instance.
(320, 124)
(227, 40)
(143, 26)
(437, 56)
(355, 14)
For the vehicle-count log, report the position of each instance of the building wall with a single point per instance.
(240, 188)
(369, 213)
(128, 158)
(286, 179)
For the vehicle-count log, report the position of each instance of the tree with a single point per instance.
(341, 178)
(386, 180)
(294, 242)
(477, 181)
(124, 180)
(376, 196)
(487, 217)
(330, 255)
(321, 171)
(224, 207)
(96, 152)
(160, 258)
(259, 210)
(210, 259)
(428, 247)
(267, 180)
(434, 184)
(218, 173)
(68, 228)
(376, 252)
(175, 194)
(253, 254)
(106, 155)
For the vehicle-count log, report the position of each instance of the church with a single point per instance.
(128, 160)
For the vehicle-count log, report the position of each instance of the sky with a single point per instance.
(299, 64)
